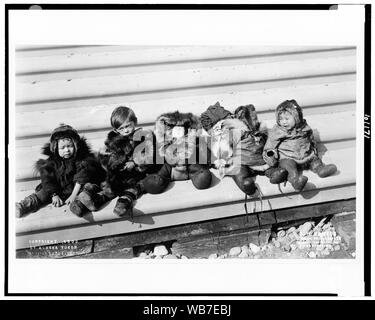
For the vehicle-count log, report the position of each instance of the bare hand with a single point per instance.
(56, 201)
(129, 165)
(70, 200)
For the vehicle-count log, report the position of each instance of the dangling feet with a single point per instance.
(155, 184)
(325, 170)
(317, 166)
(297, 180)
(19, 210)
(276, 175)
(249, 186)
(90, 199)
(124, 207)
(78, 208)
(30, 204)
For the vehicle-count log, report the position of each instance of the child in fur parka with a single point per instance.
(70, 165)
(178, 145)
(291, 143)
(237, 146)
(128, 156)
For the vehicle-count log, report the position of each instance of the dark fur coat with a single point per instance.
(59, 175)
(138, 147)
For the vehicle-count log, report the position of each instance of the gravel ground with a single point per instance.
(307, 241)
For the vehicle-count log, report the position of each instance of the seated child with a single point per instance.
(70, 164)
(291, 143)
(125, 167)
(179, 147)
(237, 145)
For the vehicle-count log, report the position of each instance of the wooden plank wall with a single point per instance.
(81, 85)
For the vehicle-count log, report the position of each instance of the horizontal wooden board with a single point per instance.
(182, 196)
(55, 251)
(327, 127)
(204, 96)
(312, 92)
(78, 86)
(30, 184)
(220, 244)
(118, 226)
(197, 65)
(73, 58)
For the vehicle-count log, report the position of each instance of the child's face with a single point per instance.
(126, 128)
(287, 121)
(65, 148)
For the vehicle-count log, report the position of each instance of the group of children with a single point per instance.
(73, 175)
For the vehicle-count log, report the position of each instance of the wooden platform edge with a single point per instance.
(214, 233)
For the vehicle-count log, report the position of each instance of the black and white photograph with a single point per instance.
(184, 153)
(92, 120)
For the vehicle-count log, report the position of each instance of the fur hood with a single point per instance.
(83, 150)
(167, 121)
(248, 115)
(59, 175)
(176, 136)
(294, 109)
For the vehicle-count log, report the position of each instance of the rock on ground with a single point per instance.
(234, 251)
(160, 250)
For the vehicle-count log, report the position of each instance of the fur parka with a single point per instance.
(59, 175)
(297, 144)
(236, 139)
(138, 147)
(178, 141)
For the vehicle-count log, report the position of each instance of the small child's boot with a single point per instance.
(90, 198)
(245, 180)
(276, 175)
(124, 206)
(78, 208)
(155, 184)
(317, 166)
(298, 181)
(200, 177)
(249, 186)
(30, 204)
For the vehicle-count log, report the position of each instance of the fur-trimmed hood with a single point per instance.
(176, 136)
(61, 132)
(59, 175)
(83, 150)
(294, 109)
(167, 121)
(248, 115)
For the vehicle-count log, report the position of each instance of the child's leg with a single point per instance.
(124, 204)
(245, 180)
(157, 183)
(317, 166)
(32, 203)
(92, 198)
(297, 180)
(200, 176)
(276, 175)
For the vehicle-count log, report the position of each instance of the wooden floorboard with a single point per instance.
(205, 237)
